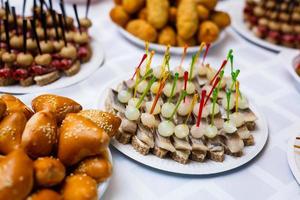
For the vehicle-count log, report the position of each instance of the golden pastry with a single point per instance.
(157, 13)
(60, 106)
(11, 129)
(80, 138)
(45, 194)
(48, 171)
(119, 16)
(13, 104)
(167, 36)
(40, 134)
(142, 29)
(16, 176)
(208, 32)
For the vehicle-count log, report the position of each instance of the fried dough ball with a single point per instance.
(45, 194)
(210, 4)
(187, 19)
(222, 19)
(79, 187)
(172, 14)
(142, 29)
(16, 176)
(118, 2)
(143, 14)
(157, 13)
(182, 42)
(119, 16)
(96, 167)
(48, 171)
(208, 32)
(132, 6)
(203, 12)
(167, 36)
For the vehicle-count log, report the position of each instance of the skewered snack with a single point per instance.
(168, 22)
(277, 22)
(42, 51)
(55, 153)
(161, 113)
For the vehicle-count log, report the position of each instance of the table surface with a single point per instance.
(265, 81)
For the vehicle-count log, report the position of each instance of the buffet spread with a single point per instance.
(187, 113)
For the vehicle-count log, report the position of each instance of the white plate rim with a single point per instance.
(96, 62)
(290, 58)
(161, 48)
(131, 153)
(239, 26)
(291, 159)
(103, 186)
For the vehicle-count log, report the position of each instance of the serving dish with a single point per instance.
(240, 27)
(206, 166)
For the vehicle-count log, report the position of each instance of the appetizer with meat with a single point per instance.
(277, 22)
(168, 22)
(41, 48)
(53, 151)
(198, 114)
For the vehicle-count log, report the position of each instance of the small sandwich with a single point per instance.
(84, 49)
(6, 73)
(66, 60)
(24, 61)
(43, 72)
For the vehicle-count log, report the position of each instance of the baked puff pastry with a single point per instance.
(79, 138)
(59, 105)
(16, 175)
(11, 129)
(107, 121)
(14, 104)
(40, 134)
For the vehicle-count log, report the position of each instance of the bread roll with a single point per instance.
(80, 187)
(187, 19)
(80, 138)
(11, 129)
(2, 108)
(59, 105)
(13, 104)
(107, 121)
(40, 134)
(157, 13)
(96, 167)
(16, 176)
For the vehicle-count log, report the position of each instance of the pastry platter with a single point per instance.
(240, 27)
(207, 166)
(293, 156)
(161, 48)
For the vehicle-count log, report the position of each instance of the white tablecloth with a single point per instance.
(264, 79)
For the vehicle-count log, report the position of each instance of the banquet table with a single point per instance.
(266, 82)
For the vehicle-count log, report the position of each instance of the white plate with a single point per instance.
(196, 168)
(162, 48)
(103, 186)
(291, 59)
(293, 157)
(239, 25)
(86, 70)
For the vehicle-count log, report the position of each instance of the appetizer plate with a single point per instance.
(193, 168)
(86, 70)
(239, 26)
(101, 187)
(293, 156)
(161, 48)
(292, 58)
